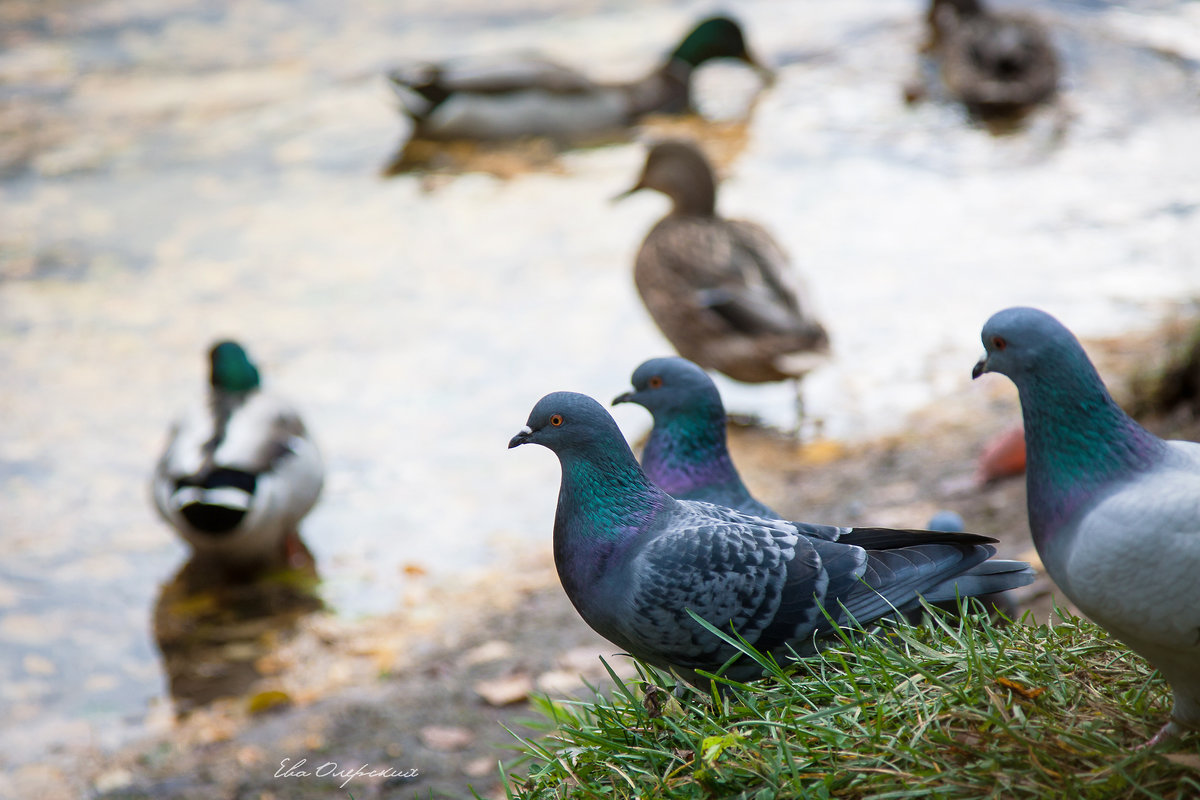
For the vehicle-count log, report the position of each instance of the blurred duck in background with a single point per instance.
(721, 290)
(239, 473)
(997, 64)
(520, 97)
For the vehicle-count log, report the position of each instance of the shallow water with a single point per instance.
(174, 172)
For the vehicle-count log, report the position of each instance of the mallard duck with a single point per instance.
(509, 99)
(721, 290)
(239, 471)
(997, 64)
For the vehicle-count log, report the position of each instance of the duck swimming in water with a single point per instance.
(239, 471)
(997, 64)
(519, 97)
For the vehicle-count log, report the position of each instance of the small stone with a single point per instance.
(446, 737)
(505, 691)
(478, 767)
(494, 650)
(581, 659)
(113, 780)
(560, 681)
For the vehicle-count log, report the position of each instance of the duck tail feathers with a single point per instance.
(419, 89)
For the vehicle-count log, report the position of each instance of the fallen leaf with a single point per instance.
(1003, 457)
(653, 699)
(268, 700)
(821, 451)
(1025, 691)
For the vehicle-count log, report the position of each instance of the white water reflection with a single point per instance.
(208, 170)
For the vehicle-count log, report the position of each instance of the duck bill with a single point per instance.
(765, 73)
(981, 366)
(521, 438)
(616, 198)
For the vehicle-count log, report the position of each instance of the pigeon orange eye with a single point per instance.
(998, 342)
(556, 420)
(656, 382)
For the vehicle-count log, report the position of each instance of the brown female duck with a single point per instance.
(997, 64)
(721, 290)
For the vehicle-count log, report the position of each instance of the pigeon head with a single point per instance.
(603, 488)
(679, 170)
(1022, 342)
(672, 386)
(686, 454)
(231, 369)
(1077, 438)
(571, 423)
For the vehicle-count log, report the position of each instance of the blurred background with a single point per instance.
(176, 171)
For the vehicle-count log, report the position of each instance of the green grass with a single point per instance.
(945, 709)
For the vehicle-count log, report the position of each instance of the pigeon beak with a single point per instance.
(522, 437)
(624, 397)
(981, 366)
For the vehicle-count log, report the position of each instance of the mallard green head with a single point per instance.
(717, 37)
(232, 370)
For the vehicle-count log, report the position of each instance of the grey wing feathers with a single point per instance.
(893, 579)
(729, 574)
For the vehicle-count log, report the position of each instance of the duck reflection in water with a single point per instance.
(237, 476)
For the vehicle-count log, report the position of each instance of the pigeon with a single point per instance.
(686, 455)
(634, 560)
(1113, 509)
(239, 471)
(720, 290)
(514, 97)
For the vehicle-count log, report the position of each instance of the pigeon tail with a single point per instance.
(993, 575)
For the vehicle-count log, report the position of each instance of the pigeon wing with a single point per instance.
(734, 574)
